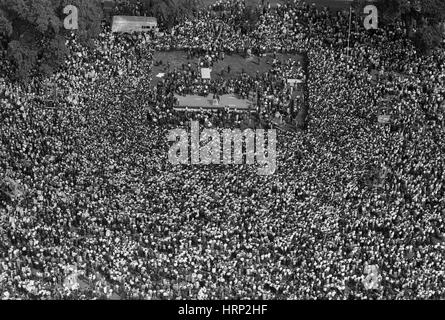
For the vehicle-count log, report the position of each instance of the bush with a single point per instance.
(35, 36)
(426, 39)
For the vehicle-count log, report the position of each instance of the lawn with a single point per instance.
(237, 63)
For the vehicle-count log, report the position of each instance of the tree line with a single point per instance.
(34, 39)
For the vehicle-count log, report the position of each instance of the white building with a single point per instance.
(134, 24)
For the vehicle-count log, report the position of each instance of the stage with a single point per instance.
(227, 101)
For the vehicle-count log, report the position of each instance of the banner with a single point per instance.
(372, 277)
(384, 119)
(205, 73)
(294, 81)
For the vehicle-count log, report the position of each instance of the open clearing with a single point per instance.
(237, 63)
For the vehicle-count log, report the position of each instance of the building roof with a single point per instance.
(134, 19)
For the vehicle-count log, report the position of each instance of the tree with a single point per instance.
(170, 12)
(426, 38)
(433, 11)
(249, 18)
(428, 15)
(35, 33)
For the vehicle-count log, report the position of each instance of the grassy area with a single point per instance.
(205, 3)
(237, 63)
(250, 66)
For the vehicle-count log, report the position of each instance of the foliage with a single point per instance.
(249, 18)
(169, 12)
(425, 11)
(427, 14)
(426, 38)
(35, 33)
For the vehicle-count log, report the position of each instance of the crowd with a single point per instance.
(269, 91)
(100, 197)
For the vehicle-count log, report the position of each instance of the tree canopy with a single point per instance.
(35, 33)
(168, 12)
(427, 14)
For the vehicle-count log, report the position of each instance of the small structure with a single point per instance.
(293, 82)
(205, 73)
(195, 103)
(371, 279)
(129, 24)
(384, 119)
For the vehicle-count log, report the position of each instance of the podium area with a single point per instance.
(227, 101)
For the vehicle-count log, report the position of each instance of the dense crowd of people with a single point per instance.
(100, 197)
